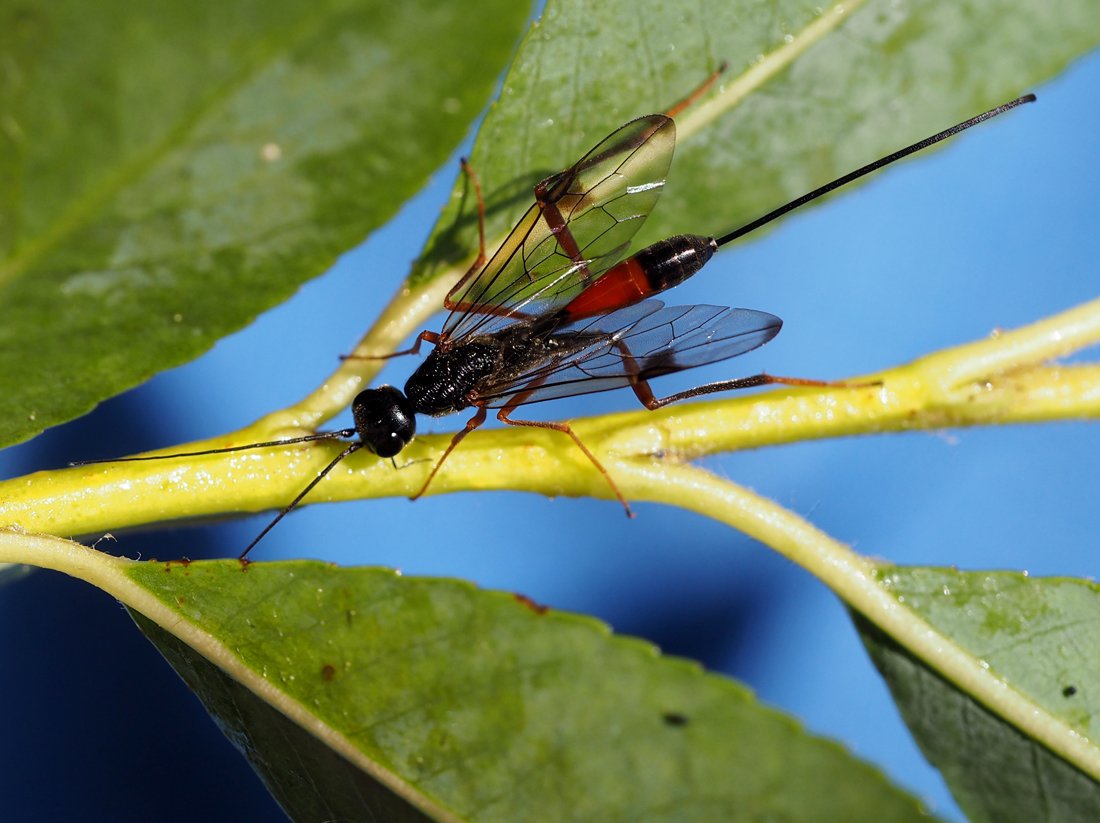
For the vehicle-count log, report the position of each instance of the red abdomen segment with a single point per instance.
(650, 271)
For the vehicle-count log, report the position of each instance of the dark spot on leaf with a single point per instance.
(537, 608)
(675, 719)
(328, 672)
(27, 23)
(1069, 691)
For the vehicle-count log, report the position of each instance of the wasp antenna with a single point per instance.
(351, 449)
(333, 435)
(870, 167)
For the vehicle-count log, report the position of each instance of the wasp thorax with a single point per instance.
(443, 382)
(384, 419)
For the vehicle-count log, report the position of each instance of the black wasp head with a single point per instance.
(384, 419)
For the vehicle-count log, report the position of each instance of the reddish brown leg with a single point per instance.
(471, 424)
(479, 261)
(468, 170)
(431, 336)
(547, 199)
(697, 93)
(491, 311)
(564, 428)
(645, 393)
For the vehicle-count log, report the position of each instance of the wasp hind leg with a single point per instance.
(564, 428)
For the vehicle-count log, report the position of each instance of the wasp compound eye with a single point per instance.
(384, 419)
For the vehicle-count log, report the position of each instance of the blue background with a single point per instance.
(997, 230)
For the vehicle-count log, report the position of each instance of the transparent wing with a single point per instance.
(581, 223)
(634, 344)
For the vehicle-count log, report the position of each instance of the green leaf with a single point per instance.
(310, 780)
(1042, 638)
(813, 91)
(478, 705)
(456, 699)
(168, 171)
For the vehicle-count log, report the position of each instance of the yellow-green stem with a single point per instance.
(921, 395)
(854, 579)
